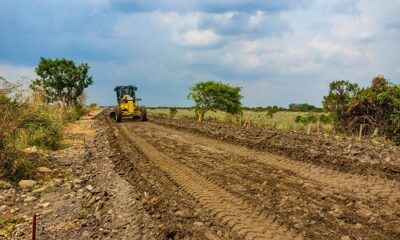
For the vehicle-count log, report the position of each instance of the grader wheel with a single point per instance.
(118, 114)
(143, 113)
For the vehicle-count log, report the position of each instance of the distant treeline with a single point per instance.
(294, 107)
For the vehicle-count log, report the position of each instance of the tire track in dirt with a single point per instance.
(317, 210)
(227, 208)
(362, 186)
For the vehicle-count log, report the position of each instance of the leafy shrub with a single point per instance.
(173, 111)
(309, 118)
(299, 119)
(325, 119)
(312, 118)
(375, 107)
(93, 106)
(40, 130)
(271, 112)
(19, 166)
(303, 107)
(73, 114)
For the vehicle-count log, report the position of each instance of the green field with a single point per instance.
(283, 120)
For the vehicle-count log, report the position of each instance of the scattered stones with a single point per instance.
(347, 237)
(78, 181)
(104, 231)
(29, 199)
(58, 181)
(182, 213)
(67, 186)
(39, 190)
(14, 210)
(45, 205)
(43, 170)
(89, 187)
(86, 234)
(359, 225)
(5, 185)
(33, 149)
(27, 185)
(198, 224)
(3, 208)
(93, 200)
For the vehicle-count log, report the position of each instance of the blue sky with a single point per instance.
(279, 51)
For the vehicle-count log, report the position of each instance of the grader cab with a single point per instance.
(127, 104)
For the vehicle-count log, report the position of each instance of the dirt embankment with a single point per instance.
(344, 154)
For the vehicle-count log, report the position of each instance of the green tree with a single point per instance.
(337, 101)
(213, 96)
(376, 108)
(61, 80)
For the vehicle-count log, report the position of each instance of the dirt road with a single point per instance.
(241, 193)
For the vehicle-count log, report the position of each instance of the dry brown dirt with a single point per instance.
(178, 179)
(242, 189)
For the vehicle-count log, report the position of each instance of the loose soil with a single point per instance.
(177, 179)
(340, 153)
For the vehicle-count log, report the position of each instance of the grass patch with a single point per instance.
(281, 120)
(81, 214)
(51, 188)
(11, 220)
(19, 165)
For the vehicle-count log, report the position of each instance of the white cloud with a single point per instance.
(329, 49)
(198, 38)
(16, 73)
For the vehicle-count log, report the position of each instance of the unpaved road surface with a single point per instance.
(211, 189)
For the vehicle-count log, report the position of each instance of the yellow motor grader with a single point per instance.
(128, 106)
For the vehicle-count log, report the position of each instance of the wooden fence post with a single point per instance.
(361, 131)
(309, 129)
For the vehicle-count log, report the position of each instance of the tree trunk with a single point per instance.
(200, 115)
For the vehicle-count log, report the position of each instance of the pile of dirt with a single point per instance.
(344, 154)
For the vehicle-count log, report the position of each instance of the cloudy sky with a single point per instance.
(279, 51)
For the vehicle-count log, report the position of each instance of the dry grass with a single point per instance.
(77, 132)
(283, 120)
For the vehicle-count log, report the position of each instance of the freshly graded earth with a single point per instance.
(177, 179)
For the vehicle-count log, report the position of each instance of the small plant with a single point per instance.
(271, 112)
(40, 130)
(309, 118)
(11, 220)
(325, 119)
(312, 118)
(20, 168)
(299, 119)
(81, 214)
(173, 111)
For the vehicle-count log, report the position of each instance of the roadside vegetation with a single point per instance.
(281, 120)
(33, 120)
(213, 96)
(372, 112)
(369, 111)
